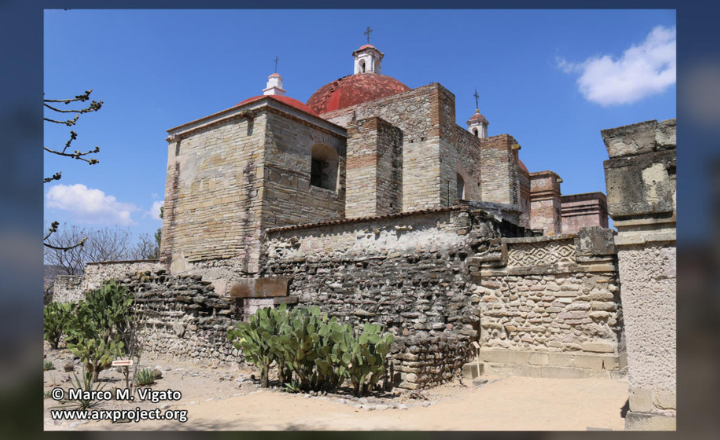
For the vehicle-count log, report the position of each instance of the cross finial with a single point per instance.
(477, 105)
(276, 61)
(367, 32)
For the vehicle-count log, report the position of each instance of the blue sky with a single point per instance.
(552, 79)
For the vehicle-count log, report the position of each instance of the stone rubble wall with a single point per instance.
(98, 273)
(181, 316)
(67, 288)
(544, 303)
(408, 273)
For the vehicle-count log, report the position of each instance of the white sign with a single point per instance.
(122, 363)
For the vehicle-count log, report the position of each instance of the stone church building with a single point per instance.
(370, 202)
(364, 145)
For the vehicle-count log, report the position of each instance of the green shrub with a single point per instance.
(145, 377)
(56, 317)
(48, 365)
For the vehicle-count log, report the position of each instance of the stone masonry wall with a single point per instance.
(67, 288)
(288, 196)
(419, 113)
(649, 271)
(582, 211)
(407, 272)
(548, 309)
(374, 169)
(499, 170)
(469, 162)
(213, 195)
(181, 316)
(98, 273)
(545, 204)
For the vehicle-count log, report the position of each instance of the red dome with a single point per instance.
(354, 89)
(284, 99)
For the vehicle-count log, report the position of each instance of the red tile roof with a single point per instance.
(284, 99)
(354, 89)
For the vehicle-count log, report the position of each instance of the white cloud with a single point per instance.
(154, 211)
(90, 205)
(642, 71)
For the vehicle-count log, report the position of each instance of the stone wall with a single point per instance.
(98, 273)
(407, 272)
(181, 316)
(550, 306)
(469, 163)
(499, 170)
(213, 194)
(423, 115)
(288, 196)
(67, 288)
(374, 169)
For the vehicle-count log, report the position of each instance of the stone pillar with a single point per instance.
(545, 204)
(640, 180)
(374, 169)
(499, 170)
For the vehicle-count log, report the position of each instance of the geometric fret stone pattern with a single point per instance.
(543, 253)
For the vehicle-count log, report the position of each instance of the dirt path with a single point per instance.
(227, 399)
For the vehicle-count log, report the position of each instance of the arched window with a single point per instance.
(362, 66)
(460, 188)
(324, 167)
(475, 132)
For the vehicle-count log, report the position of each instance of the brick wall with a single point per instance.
(545, 204)
(583, 210)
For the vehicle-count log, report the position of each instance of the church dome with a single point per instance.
(284, 99)
(354, 89)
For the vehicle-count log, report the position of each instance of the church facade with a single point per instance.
(364, 145)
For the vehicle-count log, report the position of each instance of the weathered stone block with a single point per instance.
(599, 347)
(630, 139)
(595, 241)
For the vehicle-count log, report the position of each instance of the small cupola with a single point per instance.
(477, 125)
(274, 85)
(368, 59)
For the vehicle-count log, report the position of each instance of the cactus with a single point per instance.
(321, 353)
(56, 317)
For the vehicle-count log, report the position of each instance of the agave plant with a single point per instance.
(145, 377)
